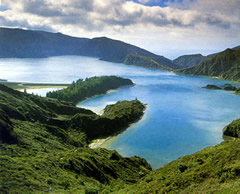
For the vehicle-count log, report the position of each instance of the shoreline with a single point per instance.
(104, 142)
(101, 142)
(21, 85)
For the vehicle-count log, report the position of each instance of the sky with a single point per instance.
(166, 27)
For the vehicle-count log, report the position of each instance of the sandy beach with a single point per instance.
(99, 142)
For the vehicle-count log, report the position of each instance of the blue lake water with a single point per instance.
(181, 117)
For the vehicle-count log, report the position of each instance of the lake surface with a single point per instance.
(181, 117)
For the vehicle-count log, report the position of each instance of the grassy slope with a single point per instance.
(212, 170)
(224, 65)
(233, 129)
(44, 147)
(41, 151)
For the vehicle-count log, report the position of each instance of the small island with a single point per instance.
(227, 87)
(212, 87)
(82, 89)
(230, 88)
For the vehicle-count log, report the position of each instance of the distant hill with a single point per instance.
(236, 48)
(20, 43)
(117, 51)
(187, 61)
(34, 44)
(225, 65)
(145, 61)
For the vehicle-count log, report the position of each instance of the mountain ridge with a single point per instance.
(19, 43)
(224, 65)
(186, 61)
(190, 60)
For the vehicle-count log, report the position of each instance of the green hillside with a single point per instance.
(212, 170)
(236, 48)
(144, 61)
(117, 51)
(187, 61)
(42, 150)
(233, 129)
(225, 65)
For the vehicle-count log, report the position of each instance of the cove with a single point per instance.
(181, 116)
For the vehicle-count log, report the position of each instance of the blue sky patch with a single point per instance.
(161, 3)
(3, 8)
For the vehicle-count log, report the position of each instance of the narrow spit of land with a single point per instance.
(22, 85)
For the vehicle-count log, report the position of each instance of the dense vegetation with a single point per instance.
(233, 129)
(224, 65)
(82, 89)
(43, 151)
(115, 118)
(212, 170)
(44, 148)
(26, 43)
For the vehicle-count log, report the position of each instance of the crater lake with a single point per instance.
(181, 117)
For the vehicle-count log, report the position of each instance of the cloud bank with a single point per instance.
(195, 22)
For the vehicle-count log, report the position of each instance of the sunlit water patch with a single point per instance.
(40, 91)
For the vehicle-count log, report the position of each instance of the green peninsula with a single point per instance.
(44, 145)
(82, 89)
(44, 148)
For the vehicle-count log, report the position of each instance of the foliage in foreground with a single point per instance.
(233, 129)
(41, 151)
(82, 89)
(212, 170)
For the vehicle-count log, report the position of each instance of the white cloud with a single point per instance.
(190, 25)
(147, 1)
